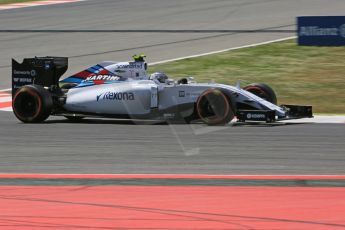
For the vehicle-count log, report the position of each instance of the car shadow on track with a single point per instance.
(95, 121)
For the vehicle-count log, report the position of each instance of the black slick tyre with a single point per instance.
(263, 91)
(214, 108)
(32, 104)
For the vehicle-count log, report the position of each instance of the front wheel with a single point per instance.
(32, 104)
(214, 108)
(263, 91)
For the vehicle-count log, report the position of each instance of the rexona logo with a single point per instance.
(119, 96)
(103, 77)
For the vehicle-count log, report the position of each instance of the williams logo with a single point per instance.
(181, 93)
(119, 96)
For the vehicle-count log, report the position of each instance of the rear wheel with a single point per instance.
(214, 108)
(32, 104)
(263, 91)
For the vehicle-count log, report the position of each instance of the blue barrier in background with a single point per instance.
(321, 30)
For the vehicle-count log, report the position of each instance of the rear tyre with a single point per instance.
(214, 108)
(263, 91)
(32, 104)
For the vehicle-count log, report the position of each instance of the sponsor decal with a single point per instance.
(193, 94)
(33, 73)
(102, 77)
(22, 80)
(168, 115)
(321, 30)
(317, 31)
(119, 96)
(22, 72)
(181, 93)
(131, 65)
(256, 116)
(342, 30)
(120, 71)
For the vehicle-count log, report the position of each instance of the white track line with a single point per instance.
(321, 119)
(6, 90)
(6, 98)
(224, 50)
(7, 109)
(35, 3)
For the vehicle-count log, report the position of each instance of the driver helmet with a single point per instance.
(160, 76)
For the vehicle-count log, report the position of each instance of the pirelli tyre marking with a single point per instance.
(24, 107)
(213, 107)
(32, 103)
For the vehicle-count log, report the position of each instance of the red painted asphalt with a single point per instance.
(5, 100)
(5, 104)
(171, 207)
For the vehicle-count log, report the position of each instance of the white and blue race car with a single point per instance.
(126, 90)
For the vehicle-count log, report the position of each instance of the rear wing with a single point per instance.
(44, 71)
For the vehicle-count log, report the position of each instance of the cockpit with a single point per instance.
(162, 78)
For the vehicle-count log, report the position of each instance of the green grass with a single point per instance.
(15, 1)
(299, 74)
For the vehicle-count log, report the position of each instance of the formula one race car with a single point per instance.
(125, 90)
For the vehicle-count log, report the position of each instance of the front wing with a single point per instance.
(292, 112)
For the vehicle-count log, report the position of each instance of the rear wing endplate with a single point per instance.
(44, 71)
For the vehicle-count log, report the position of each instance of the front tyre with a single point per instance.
(214, 108)
(263, 91)
(32, 104)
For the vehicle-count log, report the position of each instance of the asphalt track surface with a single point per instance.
(96, 146)
(118, 147)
